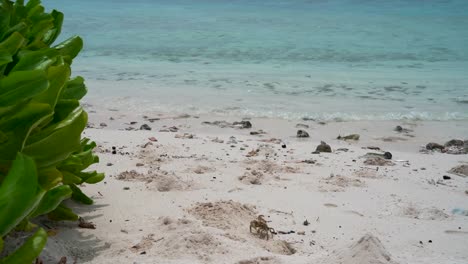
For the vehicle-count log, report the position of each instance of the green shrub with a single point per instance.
(42, 154)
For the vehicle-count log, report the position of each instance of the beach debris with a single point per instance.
(259, 132)
(302, 134)
(309, 161)
(323, 147)
(349, 137)
(217, 140)
(283, 145)
(185, 135)
(343, 149)
(454, 146)
(433, 146)
(302, 126)
(261, 228)
(373, 148)
(253, 153)
(140, 164)
(152, 139)
(85, 224)
(145, 127)
(445, 177)
(109, 164)
(63, 260)
(402, 130)
(306, 223)
(301, 233)
(272, 140)
(103, 125)
(223, 124)
(461, 170)
(385, 155)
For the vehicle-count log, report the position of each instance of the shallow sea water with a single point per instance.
(335, 59)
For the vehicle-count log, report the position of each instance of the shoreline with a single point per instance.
(189, 196)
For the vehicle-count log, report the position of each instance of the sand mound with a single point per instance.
(277, 246)
(378, 161)
(252, 177)
(367, 173)
(161, 181)
(260, 260)
(337, 183)
(368, 250)
(202, 169)
(224, 214)
(259, 172)
(184, 239)
(430, 213)
(461, 170)
(270, 167)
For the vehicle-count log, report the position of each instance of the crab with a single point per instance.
(261, 228)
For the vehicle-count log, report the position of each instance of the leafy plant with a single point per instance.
(42, 154)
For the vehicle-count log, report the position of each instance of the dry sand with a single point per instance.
(190, 198)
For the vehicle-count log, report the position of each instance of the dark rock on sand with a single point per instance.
(259, 132)
(445, 177)
(433, 146)
(323, 147)
(349, 137)
(387, 155)
(398, 128)
(145, 127)
(455, 143)
(243, 124)
(302, 134)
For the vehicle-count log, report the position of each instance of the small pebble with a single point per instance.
(126, 188)
(447, 177)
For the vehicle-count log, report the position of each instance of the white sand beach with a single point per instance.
(188, 195)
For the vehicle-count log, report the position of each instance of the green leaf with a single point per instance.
(1, 244)
(52, 34)
(57, 76)
(71, 178)
(8, 48)
(50, 177)
(75, 89)
(62, 213)
(56, 142)
(20, 86)
(19, 193)
(52, 199)
(65, 107)
(92, 177)
(70, 47)
(29, 251)
(79, 196)
(35, 60)
(16, 128)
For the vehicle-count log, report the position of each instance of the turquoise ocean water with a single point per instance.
(335, 59)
